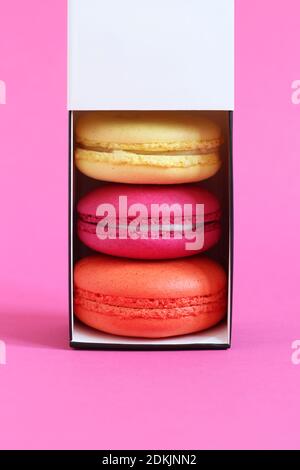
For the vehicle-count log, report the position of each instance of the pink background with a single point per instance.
(53, 397)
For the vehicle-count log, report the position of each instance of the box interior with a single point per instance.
(220, 184)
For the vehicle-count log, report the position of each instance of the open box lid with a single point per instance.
(158, 54)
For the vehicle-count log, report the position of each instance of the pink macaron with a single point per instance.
(149, 222)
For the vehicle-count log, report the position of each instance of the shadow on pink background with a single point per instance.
(53, 397)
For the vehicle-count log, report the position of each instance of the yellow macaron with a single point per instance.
(147, 147)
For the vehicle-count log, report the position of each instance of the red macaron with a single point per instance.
(150, 299)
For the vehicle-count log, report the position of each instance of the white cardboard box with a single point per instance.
(151, 55)
(158, 54)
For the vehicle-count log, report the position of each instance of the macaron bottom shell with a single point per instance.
(149, 248)
(149, 328)
(162, 321)
(134, 174)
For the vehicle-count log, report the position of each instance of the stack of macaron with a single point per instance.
(149, 221)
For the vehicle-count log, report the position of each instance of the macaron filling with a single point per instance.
(149, 307)
(153, 147)
(181, 152)
(182, 159)
(88, 223)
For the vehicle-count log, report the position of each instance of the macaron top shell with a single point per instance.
(197, 276)
(147, 195)
(151, 131)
